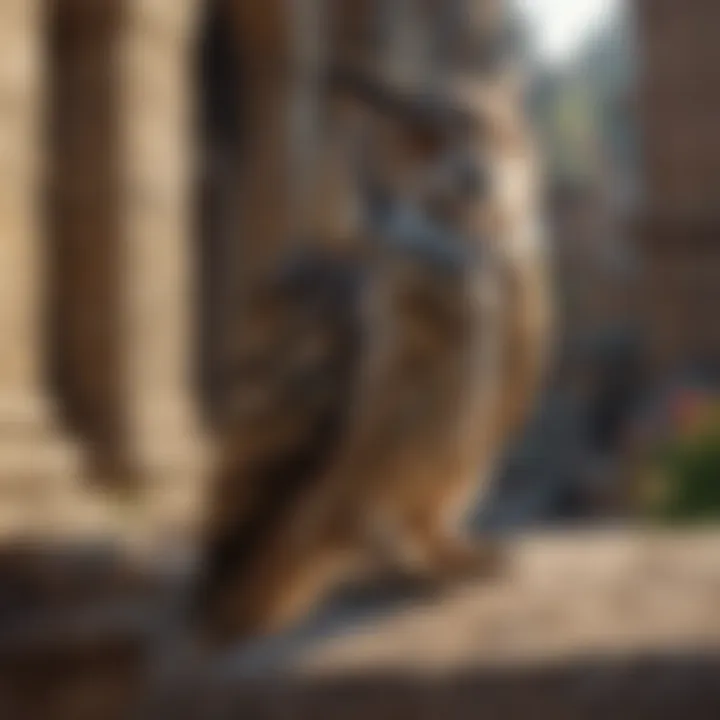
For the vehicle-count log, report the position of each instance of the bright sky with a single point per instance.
(561, 25)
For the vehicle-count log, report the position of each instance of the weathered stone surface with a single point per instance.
(680, 223)
(156, 96)
(596, 624)
(121, 230)
(35, 461)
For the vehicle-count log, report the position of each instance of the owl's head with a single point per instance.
(451, 140)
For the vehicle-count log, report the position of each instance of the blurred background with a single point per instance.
(620, 95)
(121, 151)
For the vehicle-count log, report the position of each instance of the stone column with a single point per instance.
(83, 222)
(33, 459)
(163, 441)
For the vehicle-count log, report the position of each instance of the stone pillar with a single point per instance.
(33, 459)
(84, 222)
(163, 441)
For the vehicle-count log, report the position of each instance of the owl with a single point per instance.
(386, 362)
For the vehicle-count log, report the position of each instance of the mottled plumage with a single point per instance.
(375, 381)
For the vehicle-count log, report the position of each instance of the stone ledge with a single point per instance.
(586, 624)
(625, 687)
(565, 594)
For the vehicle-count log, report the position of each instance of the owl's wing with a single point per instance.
(286, 405)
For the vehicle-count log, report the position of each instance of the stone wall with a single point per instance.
(679, 228)
(682, 289)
